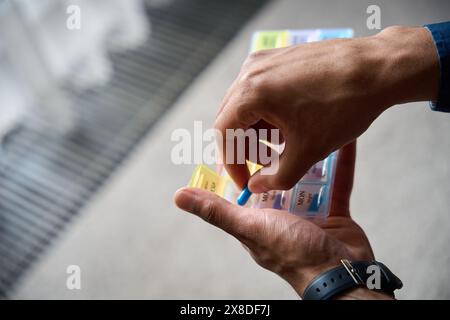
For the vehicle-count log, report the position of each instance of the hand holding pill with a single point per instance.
(322, 95)
(293, 247)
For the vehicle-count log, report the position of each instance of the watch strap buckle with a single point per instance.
(352, 272)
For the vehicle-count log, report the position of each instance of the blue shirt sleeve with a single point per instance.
(441, 36)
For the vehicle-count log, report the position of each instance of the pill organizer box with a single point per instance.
(311, 195)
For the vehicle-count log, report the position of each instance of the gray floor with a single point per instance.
(131, 242)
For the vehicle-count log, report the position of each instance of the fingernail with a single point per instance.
(257, 188)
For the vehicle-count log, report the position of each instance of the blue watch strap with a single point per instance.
(340, 279)
(441, 37)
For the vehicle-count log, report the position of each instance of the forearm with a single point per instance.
(408, 65)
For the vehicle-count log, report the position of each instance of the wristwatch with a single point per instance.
(372, 274)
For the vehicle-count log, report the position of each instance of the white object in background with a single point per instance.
(81, 56)
(44, 54)
(13, 99)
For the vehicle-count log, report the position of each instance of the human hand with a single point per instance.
(323, 95)
(292, 247)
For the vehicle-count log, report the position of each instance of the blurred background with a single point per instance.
(86, 115)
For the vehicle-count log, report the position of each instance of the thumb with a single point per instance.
(231, 218)
(283, 174)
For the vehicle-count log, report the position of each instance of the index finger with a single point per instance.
(234, 116)
(343, 183)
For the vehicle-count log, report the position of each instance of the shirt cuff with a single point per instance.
(441, 37)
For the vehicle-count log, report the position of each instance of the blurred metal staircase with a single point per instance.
(46, 179)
